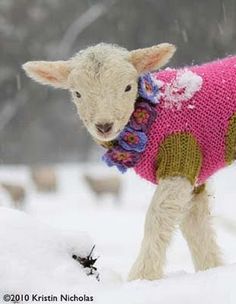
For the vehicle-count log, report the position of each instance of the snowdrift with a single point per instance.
(38, 242)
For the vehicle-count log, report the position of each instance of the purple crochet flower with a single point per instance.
(143, 116)
(148, 88)
(120, 158)
(132, 140)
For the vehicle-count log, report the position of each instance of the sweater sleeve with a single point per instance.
(179, 155)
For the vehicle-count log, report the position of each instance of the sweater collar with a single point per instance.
(126, 150)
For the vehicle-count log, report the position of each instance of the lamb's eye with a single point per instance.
(128, 88)
(78, 95)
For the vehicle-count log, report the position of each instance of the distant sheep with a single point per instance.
(104, 185)
(44, 178)
(16, 192)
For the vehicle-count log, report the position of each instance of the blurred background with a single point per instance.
(39, 124)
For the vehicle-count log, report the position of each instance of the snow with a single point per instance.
(31, 248)
(38, 241)
(181, 88)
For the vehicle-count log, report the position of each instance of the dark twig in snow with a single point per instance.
(88, 263)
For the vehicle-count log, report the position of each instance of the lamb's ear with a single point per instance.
(54, 73)
(151, 58)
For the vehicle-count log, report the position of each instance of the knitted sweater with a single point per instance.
(184, 123)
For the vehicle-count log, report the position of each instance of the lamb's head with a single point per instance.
(103, 81)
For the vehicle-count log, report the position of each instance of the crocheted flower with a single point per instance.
(120, 158)
(143, 117)
(132, 140)
(148, 88)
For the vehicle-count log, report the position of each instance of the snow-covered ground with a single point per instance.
(37, 243)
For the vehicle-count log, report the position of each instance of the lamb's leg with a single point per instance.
(199, 234)
(165, 212)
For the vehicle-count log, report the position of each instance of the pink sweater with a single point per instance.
(199, 100)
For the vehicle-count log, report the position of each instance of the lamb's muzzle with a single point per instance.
(104, 128)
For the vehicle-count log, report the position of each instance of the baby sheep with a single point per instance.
(162, 124)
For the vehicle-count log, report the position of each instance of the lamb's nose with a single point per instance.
(104, 128)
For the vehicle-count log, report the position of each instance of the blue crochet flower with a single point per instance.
(110, 162)
(132, 140)
(148, 88)
(120, 158)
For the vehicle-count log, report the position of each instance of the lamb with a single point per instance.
(175, 127)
